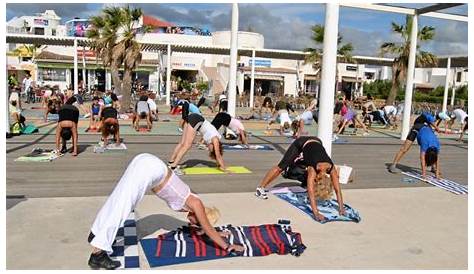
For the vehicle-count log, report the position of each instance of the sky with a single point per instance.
(284, 26)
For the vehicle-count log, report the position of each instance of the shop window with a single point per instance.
(56, 75)
(458, 76)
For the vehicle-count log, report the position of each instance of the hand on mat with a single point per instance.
(319, 217)
(342, 211)
(225, 169)
(235, 249)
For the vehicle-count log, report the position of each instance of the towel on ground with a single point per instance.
(110, 147)
(445, 184)
(243, 147)
(327, 208)
(186, 245)
(39, 155)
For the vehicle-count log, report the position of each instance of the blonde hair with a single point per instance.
(323, 189)
(213, 214)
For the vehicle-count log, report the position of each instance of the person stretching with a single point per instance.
(210, 135)
(142, 111)
(425, 119)
(109, 124)
(429, 150)
(305, 118)
(224, 119)
(463, 130)
(67, 128)
(95, 109)
(318, 164)
(148, 172)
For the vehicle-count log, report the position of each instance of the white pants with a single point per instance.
(143, 172)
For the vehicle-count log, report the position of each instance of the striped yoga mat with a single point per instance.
(445, 184)
(186, 245)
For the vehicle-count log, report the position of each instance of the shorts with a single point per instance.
(143, 115)
(349, 115)
(289, 157)
(195, 120)
(414, 131)
(223, 105)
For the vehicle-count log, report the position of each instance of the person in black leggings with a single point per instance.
(317, 163)
(224, 119)
(109, 124)
(425, 119)
(67, 127)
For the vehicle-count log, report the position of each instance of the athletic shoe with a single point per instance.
(178, 171)
(393, 168)
(87, 115)
(102, 260)
(90, 237)
(63, 150)
(261, 193)
(180, 129)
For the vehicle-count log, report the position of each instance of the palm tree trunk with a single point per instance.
(395, 85)
(126, 90)
(114, 71)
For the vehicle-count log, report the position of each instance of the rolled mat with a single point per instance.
(250, 147)
(186, 245)
(328, 208)
(215, 170)
(445, 184)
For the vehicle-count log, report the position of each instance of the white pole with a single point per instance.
(446, 85)
(454, 90)
(7, 100)
(252, 79)
(84, 78)
(410, 76)
(233, 59)
(158, 73)
(76, 78)
(328, 76)
(168, 75)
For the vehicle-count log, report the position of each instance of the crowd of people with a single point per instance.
(305, 160)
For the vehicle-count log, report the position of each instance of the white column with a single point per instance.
(233, 59)
(410, 76)
(252, 80)
(446, 84)
(76, 73)
(168, 75)
(89, 79)
(453, 93)
(328, 76)
(84, 76)
(158, 73)
(7, 108)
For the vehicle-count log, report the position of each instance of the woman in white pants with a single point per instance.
(145, 172)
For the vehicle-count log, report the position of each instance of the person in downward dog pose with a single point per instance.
(196, 123)
(147, 172)
(109, 125)
(317, 163)
(224, 119)
(305, 118)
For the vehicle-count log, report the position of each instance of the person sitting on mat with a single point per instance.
(210, 135)
(142, 111)
(425, 119)
(148, 172)
(224, 119)
(109, 124)
(67, 128)
(317, 163)
(267, 107)
(305, 118)
(95, 110)
(429, 150)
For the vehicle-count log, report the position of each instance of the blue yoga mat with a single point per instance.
(329, 208)
(250, 147)
(185, 245)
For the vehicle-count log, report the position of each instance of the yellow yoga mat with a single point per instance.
(214, 170)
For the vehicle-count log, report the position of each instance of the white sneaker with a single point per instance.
(87, 115)
(261, 193)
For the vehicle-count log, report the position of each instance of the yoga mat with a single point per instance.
(215, 170)
(250, 147)
(445, 184)
(110, 147)
(125, 247)
(38, 155)
(328, 208)
(185, 245)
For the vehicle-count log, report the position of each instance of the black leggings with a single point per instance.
(223, 106)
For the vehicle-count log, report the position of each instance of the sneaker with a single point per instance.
(87, 115)
(393, 168)
(178, 171)
(180, 129)
(102, 260)
(91, 237)
(261, 193)
(63, 150)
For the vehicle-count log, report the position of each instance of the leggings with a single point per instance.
(143, 173)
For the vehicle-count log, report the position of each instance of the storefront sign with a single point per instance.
(261, 63)
(41, 22)
(178, 65)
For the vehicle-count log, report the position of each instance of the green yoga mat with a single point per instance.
(214, 170)
(38, 155)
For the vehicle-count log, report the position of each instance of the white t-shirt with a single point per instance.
(152, 104)
(208, 131)
(460, 115)
(27, 83)
(390, 110)
(222, 97)
(14, 97)
(284, 117)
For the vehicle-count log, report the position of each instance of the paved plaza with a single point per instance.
(51, 206)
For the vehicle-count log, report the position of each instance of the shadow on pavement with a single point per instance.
(152, 223)
(13, 200)
(196, 162)
(403, 168)
(32, 142)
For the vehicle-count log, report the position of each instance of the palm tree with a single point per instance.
(27, 51)
(401, 50)
(114, 39)
(315, 54)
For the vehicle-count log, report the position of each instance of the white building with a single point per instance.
(47, 23)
